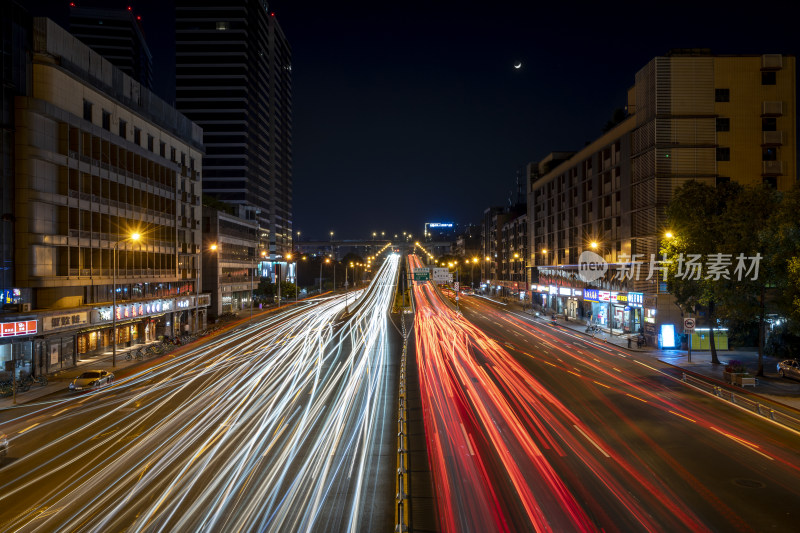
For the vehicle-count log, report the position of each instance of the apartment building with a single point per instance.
(691, 116)
(107, 185)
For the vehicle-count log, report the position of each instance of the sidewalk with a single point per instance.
(59, 381)
(780, 390)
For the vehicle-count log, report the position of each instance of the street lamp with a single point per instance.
(133, 237)
(320, 273)
(472, 273)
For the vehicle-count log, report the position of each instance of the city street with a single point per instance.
(532, 426)
(280, 425)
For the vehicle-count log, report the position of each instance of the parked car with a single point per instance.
(91, 379)
(3, 448)
(789, 369)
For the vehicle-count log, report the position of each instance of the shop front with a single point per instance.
(16, 348)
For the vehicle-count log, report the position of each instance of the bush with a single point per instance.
(736, 367)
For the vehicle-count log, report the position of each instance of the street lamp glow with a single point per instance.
(593, 245)
(288, 256)
(544, 250)
(668, 235)
(135, 236)
(213, 247)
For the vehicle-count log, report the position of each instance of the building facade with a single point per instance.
(106, 208)
(115, 34)
(231, 259)
(691, 116)
(233, 78)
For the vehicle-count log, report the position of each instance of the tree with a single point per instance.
(693, 217)
(745, 235)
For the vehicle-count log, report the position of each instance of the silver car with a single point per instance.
(789, 369)
(91, 379)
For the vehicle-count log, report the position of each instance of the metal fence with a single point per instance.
(772, 412)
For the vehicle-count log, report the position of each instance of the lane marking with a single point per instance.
(587, 437)
(28, 428)
(684, 417)
(636, 398)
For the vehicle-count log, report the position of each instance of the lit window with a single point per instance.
(222, 26)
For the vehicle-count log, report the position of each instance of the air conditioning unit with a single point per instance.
(25, 308)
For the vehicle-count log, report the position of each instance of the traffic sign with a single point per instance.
(422, 274)
(456, 286)
(688, 325)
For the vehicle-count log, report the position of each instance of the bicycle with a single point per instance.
(41, 380)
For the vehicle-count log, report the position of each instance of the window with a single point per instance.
(770, 181)
(137, 136)
(123, 129)
(769, 124)
(222, 26)
(769, 77)
(106, 120)
(722, 95)
(87, 110)
(723, 154)
(723, 124)
(769, 153)
(722, 180)
(163, 149)
(150, 142)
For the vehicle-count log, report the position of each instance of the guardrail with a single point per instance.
(402, 499)
(773, 413)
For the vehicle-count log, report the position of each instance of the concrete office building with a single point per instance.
(233, 78)
(97, 159)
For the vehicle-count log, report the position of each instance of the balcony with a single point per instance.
(772, 168)
(771, 138)
(771, 109)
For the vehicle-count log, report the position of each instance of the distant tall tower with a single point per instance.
(115, 34)
(233, 78)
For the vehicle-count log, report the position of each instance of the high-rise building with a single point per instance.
(115, 34)
(233, 78)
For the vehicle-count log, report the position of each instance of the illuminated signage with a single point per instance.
(591, 295)
(635, 299)
(604, 296)
(565, 291)
(440, 224)
(553, 289)
(577, 292)
(622, 298)
(13, 329)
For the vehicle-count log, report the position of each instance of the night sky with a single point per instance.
(407, 112)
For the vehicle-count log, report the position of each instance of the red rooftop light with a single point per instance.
(72, 4)
(272, 14)
(130, 8)
(138, 17)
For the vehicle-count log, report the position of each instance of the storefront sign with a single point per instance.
(553, 289)
(591, 295)
(635, 299)
(13, 329)
(604, 296)
(577, 292)
(621, 298)
(565, 291)
(68, 320)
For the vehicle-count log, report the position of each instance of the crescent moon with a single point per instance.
(518, 65)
